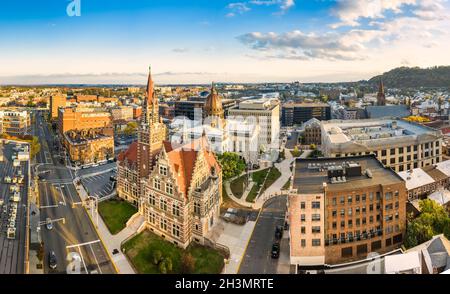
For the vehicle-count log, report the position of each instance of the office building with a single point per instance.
(342, 209)
(299, 113)
(398, 144)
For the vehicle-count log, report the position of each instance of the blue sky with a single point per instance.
(231, 41)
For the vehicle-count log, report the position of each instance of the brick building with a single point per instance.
(341, 209)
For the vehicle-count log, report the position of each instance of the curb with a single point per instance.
(248, 242)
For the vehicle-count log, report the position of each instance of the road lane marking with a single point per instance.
(95, 258)
(82, 259)
(82, 244)
(49, 206)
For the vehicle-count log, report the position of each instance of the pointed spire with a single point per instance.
(381, 87)
(150, 86)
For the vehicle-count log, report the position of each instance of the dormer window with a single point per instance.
(163, 170)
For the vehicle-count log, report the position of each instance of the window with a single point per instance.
(342, 200)
(371, 207)
(350, 223)
(334, 225)
(303, 230)
(349, 199)
(357, 198)
(302, 205)
(334, 201)
(152, 217)
(176, 230)
(163, 224)
(347, 252)
(383, 152)
(302, 217)
(163, 204)
(400, 150)
(392, 160)
(196, 208)
(315, 229)
(392, 151)
(157, 184)
(303, 243)
(169, 188)
(316, 204)
(361, 249)
(176, 209)
(350, 212)
(342, 212)
(388, 196)
(163, 170)
(315, 217)
(376, 245)
(363, 197)
(152, 199)
(371, 196)
(315, 242)
(334, 213)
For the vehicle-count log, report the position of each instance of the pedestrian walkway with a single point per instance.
(236, 238)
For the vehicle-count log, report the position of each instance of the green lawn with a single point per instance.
(258, 178)
(115, 214)
(286, 186)
(252, 194)
(237, 186)
(141, 248)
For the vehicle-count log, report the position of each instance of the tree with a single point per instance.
(157, 256)
(433, 220)
(232, 165)
(131, 128)
(35, 146)
(187, 263)
(169, 264)
(162, 268)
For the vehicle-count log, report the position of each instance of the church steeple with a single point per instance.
(151, 108)
(381, 97)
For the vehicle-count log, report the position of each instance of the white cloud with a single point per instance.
(242, 7)
(305, 46)
(350, 12)
(237, 8)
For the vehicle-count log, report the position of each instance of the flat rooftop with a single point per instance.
(375, 131)
(310, 174)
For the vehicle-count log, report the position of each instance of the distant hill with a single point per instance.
(413, 77)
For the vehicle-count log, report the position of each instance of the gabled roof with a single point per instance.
(130, 154)
(183, 160)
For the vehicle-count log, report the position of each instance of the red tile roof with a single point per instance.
(130, 154)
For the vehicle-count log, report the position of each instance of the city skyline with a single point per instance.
(227, 41)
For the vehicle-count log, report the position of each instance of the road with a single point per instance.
(72, 230)
(257, 258)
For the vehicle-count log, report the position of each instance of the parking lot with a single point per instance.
(97, 181)
(13, 199)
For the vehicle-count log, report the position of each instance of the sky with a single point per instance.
(199, 41)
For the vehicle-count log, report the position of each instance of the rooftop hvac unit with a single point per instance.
(369, 173)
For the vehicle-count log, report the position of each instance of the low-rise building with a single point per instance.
(15, 122)
(312, 133)
(88, 146)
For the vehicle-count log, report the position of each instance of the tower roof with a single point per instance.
(213, 105)
(150, 87)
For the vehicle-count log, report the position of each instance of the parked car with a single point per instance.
(49, 224)
(275, 250)
(52, 262)
(279, 232)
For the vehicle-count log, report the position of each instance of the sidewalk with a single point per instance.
(110, 241)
